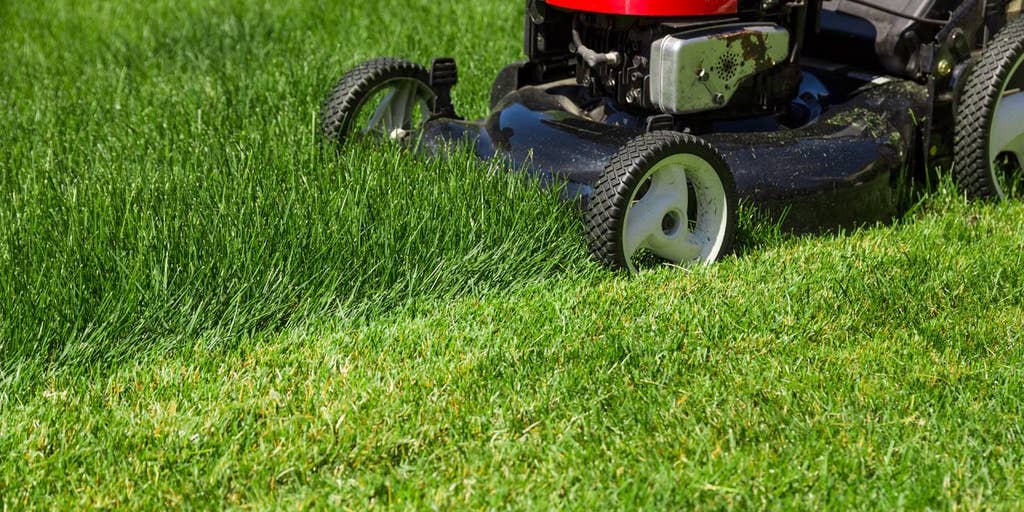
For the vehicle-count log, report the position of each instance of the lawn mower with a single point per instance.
(657, 117)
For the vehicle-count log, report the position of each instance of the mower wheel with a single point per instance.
(990, 120)
(663, 197)
(397, 92)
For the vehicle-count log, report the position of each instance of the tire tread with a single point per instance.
(338, 109)
(605, 213)
(972, 170)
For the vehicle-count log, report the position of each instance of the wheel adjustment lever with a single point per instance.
(444, 74)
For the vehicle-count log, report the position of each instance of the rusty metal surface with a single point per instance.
(701, 70)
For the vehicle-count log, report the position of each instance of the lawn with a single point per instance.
(202, 304)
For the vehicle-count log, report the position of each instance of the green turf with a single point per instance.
(201, 304)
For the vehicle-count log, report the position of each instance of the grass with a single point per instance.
(202, 305)
(176, 186)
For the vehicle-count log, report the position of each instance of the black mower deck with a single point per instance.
(845, 165)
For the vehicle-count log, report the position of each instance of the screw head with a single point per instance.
(703, 75)
(944, 68)
(719, 99)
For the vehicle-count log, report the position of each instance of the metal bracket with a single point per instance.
(950, 50)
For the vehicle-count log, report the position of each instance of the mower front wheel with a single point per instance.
(383, 97)
(663, 197)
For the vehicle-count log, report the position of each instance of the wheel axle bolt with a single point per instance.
(944, 67)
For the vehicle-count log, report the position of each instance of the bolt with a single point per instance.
(610, 82)
(703, 75)
(719, 99)
(633, 96)
(944, 68)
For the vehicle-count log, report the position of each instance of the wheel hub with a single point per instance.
(670, 223)
(658, 222)
(405, 103)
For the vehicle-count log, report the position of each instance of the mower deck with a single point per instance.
(843, 164)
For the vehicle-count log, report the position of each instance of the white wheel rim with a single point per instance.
(1006, 132)
(393, 116)
(658, 218)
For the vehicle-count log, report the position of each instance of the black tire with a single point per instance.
(975, 171)
(631, 168)
(346, 100)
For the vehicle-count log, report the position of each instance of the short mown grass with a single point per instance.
(202, 304)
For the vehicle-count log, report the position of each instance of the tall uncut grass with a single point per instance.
(162, 176)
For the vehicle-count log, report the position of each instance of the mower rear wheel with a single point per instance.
(663, 197)
(990, 120)
(385, 97)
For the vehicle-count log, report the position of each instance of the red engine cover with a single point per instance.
(650, 7)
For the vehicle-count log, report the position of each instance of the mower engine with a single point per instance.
(723, 56)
